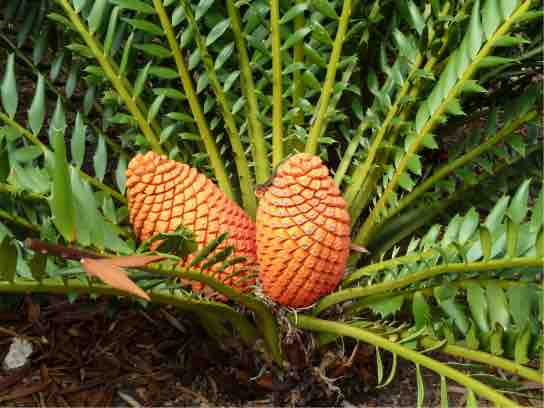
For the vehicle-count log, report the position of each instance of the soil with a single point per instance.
(112, 353)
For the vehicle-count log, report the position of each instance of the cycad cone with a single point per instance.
(164, 195)
(302, 233)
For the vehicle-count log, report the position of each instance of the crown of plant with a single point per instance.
(302, 233)
(164, 195)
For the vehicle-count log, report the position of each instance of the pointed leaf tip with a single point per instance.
(113, 275)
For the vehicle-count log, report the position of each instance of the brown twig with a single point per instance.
(65, 252)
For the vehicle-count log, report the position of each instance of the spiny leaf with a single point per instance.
(325, 8)
(61, 201)
(420, 310)
(136, 5)
(519, 206)
(217, 31)
(36, 113)
(58, 122)
(96, 15)
(521, 349)
(498, 305)
(10, 97)
(208, 249)
(77, 143)
(477, 303)
(469, 225)
(100, 159)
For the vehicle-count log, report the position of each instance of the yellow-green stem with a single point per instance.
(211, 147)
(277, 104)
(483, 357)
(15, 219)
(260, 153)
(316, 130)
(354, 293)
(111, 72)
(343, 329)
(298, 57)
(246, 181)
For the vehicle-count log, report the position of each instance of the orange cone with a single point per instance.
(302, 233)
(164, 195)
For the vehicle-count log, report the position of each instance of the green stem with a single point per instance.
(246, 181)
(461, 161)
(367, 228)
(91, 180)
(277, 104)
(211, 147)
(112, 74)
(347, 157)
(24, 195)
(343, 329)
(260, 154)
(15, 219)
(353, 293)
(166, 297)
(372, 269)
(298, 57)
(483, 357)
(316, 130)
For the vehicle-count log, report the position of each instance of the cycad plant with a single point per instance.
(427, 114)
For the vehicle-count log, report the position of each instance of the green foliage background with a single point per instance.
(427, 113)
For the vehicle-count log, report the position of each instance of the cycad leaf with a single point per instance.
(325, 8)
(61, 201)
(519, 300)
(58, 121)
(521, 348)
(96, 15)
(10, 98)
(120, 173)
(477, 303)
(420, 310)
(217, 31)
(468, 226)
(519, 206)
(36, 113)
(77, 143)
(136, 5)
(498, 305)
(100, 159)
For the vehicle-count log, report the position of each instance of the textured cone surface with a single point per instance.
(164, 195)
(302, 233)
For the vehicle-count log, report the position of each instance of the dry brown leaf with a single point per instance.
(358, 248)
(113, 275)
(134, 261)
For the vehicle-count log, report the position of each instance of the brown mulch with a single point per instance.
(115, 353)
